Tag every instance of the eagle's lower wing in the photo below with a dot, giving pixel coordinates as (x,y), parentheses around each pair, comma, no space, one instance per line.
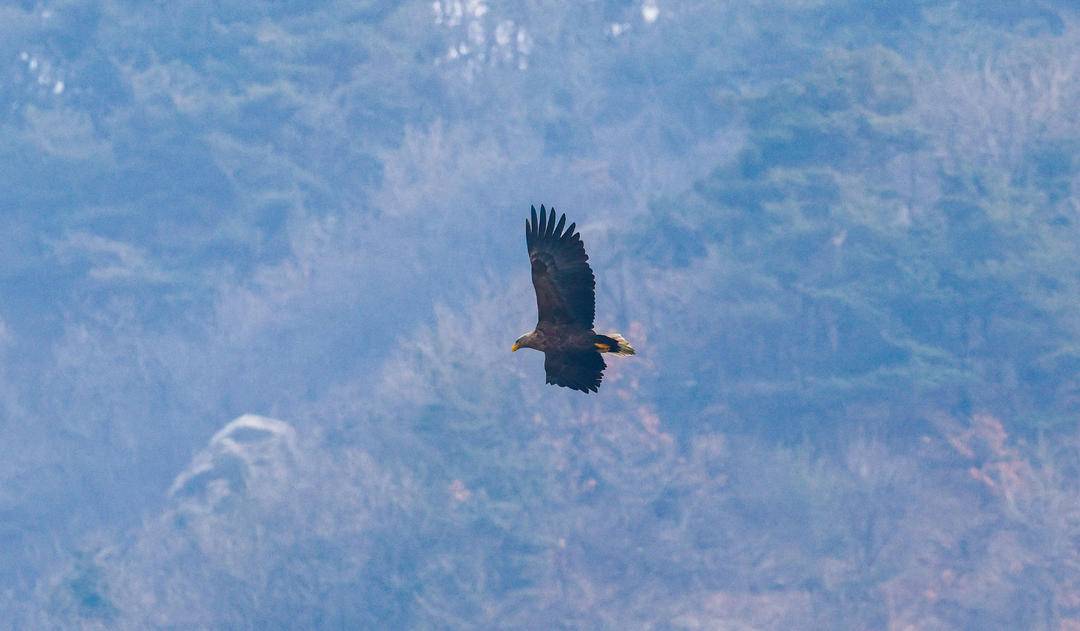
(580,370)
(564,282)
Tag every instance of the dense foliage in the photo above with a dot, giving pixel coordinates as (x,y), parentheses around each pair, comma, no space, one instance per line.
(842,235)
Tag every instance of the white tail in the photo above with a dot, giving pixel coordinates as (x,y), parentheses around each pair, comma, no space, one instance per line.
(624,346)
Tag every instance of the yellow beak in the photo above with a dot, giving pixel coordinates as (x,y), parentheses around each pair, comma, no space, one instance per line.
(515,347)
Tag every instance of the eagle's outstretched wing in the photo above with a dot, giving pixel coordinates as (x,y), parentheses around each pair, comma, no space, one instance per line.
(564,282)
(580,370)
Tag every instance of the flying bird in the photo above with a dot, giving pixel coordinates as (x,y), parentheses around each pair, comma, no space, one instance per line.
(566,305)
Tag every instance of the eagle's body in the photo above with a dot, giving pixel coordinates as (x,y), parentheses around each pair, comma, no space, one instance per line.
(566,304)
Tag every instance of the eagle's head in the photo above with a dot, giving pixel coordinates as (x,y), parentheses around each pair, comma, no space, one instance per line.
(525,341)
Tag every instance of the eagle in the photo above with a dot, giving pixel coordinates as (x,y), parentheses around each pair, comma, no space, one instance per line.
(566,305)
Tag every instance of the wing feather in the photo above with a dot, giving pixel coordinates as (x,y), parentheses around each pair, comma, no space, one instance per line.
(564,282)
(580,370)
(558,228)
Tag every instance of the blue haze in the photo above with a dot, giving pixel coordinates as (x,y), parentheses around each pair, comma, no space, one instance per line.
(261,264)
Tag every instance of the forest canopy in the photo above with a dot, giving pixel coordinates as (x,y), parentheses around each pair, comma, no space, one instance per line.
(241,382)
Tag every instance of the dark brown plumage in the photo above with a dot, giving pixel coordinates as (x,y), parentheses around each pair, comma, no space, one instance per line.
(566,306)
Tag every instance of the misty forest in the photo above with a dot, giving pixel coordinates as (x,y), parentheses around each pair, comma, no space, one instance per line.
(262,263)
